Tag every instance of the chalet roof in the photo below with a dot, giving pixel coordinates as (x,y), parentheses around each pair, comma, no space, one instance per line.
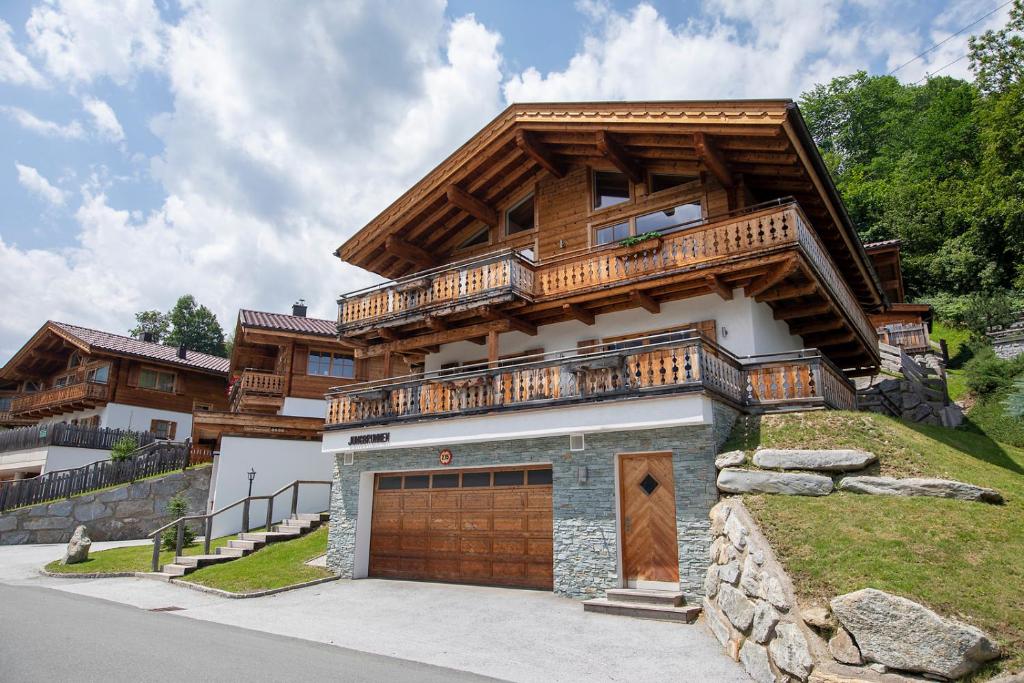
(288,323)
(115,343)
(766,142)
(884,244)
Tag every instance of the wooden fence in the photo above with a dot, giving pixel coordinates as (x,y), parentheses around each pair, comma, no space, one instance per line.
(62,434)
(155,458)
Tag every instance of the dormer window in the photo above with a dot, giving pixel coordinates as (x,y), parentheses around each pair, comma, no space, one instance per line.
(520,218)
(610,188)
(74,360)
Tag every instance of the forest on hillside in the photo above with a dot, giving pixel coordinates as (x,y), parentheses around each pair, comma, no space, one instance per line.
(938,164)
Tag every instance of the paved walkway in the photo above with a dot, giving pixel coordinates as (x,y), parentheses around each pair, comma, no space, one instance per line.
(505,633)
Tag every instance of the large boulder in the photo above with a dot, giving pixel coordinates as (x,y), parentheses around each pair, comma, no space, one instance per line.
(839,460)
(789,651)
(919,486)
(730,459)
(732,480)
(78,547)
(902,634)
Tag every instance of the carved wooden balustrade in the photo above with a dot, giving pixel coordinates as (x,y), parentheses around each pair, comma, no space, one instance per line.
(256,383)
(60,399)
(662,364)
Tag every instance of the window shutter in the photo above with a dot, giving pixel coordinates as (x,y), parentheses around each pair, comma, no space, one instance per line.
(179,382)
(299,361)
(152,426)
(172,428)
(133,374)
(587,342)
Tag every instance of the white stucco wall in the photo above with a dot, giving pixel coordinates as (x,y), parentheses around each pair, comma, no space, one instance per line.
(28,460)
(745,327)
(65,457)
(304,407)
(121,416)
(77,415)
(277,462)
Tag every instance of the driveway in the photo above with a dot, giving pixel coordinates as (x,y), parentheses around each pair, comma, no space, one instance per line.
(511,634)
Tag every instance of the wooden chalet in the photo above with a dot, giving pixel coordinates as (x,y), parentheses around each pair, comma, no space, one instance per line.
(901,324)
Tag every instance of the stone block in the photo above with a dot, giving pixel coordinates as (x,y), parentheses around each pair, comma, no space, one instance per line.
(8,522)
(35,523)
(789,651)
(87,512)
(114,495)
(784,483)
(765,619)
(920,486)
(15,537)
(134,508)
(754,659)
(736,606)
(832,460)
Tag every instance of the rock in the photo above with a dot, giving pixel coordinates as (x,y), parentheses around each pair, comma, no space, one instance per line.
(114,495)
(785,483)
(902,634)
(730,459)
(8,522)
(750,578)
(843,649)
(711,581)
(773,592)
(719,516)
(88,512)
(938,488)
(736,607)
(789,651)
(765,619)
(729,573)
(736,532)
(754,659)
(716,547)
(819,618)
(15,537)
(78,547)
(846,460)
(718,624)
(1008,678)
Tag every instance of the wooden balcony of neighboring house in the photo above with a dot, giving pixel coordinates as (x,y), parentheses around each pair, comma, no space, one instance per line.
(770,251)
(911,337)
(210,426)
(654,366)
(257,391)
(68,398)
(8,419)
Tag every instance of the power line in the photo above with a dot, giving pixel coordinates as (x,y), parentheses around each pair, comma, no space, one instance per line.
(941,68)
(947,39)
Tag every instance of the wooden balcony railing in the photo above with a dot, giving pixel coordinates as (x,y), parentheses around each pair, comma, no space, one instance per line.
(755,232)
(60,434)
(662,364)
(472,282)
(56,399)
(256,383)
(911,337)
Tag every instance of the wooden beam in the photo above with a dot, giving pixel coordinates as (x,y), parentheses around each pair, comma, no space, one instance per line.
(713,159)
(492,349)
(811,328)
(791,312)
(434,339)
(773,278)
(471,205)
(643,300)
(540,154)
(833,340)
(479,341)
(436,324)
(612,151)
(790,292)
(514,323)
(578,312)
(388,334)
(719,287)
(418,256)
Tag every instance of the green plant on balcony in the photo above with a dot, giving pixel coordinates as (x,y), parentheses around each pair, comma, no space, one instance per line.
(639,239)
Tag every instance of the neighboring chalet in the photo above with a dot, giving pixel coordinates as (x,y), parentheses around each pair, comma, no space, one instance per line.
(70,392)
(281,367)
(900,324)
(597,292)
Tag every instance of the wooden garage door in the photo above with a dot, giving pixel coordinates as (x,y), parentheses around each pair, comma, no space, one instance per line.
(472,526)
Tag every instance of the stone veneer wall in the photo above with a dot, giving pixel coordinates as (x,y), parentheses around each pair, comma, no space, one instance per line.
(126,512)
(584,515)
(749,602)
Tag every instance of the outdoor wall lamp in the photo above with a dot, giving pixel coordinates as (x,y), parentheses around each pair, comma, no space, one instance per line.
(252,475)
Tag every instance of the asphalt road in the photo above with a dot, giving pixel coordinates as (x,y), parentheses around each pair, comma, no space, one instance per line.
(50,635)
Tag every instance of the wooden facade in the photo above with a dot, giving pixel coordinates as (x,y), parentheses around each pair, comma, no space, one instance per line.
(899,324)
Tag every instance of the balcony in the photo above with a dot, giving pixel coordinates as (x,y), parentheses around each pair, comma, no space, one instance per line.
(59,400)
(911,337)
(656,365)
(770,250)
(60,434)
(257,391)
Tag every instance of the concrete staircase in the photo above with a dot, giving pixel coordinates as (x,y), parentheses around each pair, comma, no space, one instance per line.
(248,543)
(644,604)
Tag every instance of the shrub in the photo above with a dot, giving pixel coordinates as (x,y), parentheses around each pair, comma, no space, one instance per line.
(177,507)
(987,373)
(978,311)
(123,448)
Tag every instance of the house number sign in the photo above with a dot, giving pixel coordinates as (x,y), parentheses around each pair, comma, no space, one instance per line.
(445,458)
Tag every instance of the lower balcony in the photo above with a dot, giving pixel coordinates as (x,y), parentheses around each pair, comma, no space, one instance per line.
(654,366)
(910,337)
(257,391)
(59,400)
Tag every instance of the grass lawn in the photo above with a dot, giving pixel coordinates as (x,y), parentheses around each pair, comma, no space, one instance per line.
(135,558)
(989,415)
(961,559)
(959,353)
(275,566)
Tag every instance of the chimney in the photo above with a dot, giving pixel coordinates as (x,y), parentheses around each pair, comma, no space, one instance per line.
(182,352)
(148,337)
(299,308)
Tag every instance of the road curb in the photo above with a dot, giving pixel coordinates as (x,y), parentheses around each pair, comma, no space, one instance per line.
(93,575)
(255,594)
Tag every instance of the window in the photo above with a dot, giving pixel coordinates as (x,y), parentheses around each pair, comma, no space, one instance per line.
(92,422)
(100,374)
(32,386)
(611,233)
(74,360)
(417,481)
(389,483)
(508,478)
(5,404)
(476,239)
(327,364)
(520,217)
(610,188)
(163,429)
(667,218)
(538,477)
(201,407)
(476,479)
(445,481)
(156,380)
(62,381)
(665,181)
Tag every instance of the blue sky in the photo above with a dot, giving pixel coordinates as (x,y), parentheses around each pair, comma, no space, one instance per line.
(226,148)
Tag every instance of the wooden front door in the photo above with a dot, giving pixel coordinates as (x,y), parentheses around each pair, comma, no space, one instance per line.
(473,526)
(650,549)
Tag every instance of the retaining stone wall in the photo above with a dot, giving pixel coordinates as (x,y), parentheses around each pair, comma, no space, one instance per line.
(584,514)
(127,512)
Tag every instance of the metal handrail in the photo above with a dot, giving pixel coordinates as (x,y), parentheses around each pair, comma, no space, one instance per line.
(246,502)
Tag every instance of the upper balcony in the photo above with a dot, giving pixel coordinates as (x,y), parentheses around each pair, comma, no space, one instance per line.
(65,399)
(770,251)
(257,391)
(652,366)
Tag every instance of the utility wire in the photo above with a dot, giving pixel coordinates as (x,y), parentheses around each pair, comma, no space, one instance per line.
(946,40)
(941,68)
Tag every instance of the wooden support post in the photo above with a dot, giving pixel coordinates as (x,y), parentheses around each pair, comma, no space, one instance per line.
(773,278)
(708,152)
(492,349)
(578,312)
(645,301)
(611,150)
(719,287)
(409,252)
(156,552)
(471,205)
(180,540)
(295,499)
(540,154)
(207,532)
(270,513)
(245,515)
(387,363)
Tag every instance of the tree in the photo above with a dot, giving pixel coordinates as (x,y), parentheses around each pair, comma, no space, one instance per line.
(155,323)
(997,57)
(196,327)
(177,507)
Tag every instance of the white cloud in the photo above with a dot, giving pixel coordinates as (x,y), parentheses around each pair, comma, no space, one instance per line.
(81,40)
(32,181)
(14,66)
(104,119)
(31,122)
